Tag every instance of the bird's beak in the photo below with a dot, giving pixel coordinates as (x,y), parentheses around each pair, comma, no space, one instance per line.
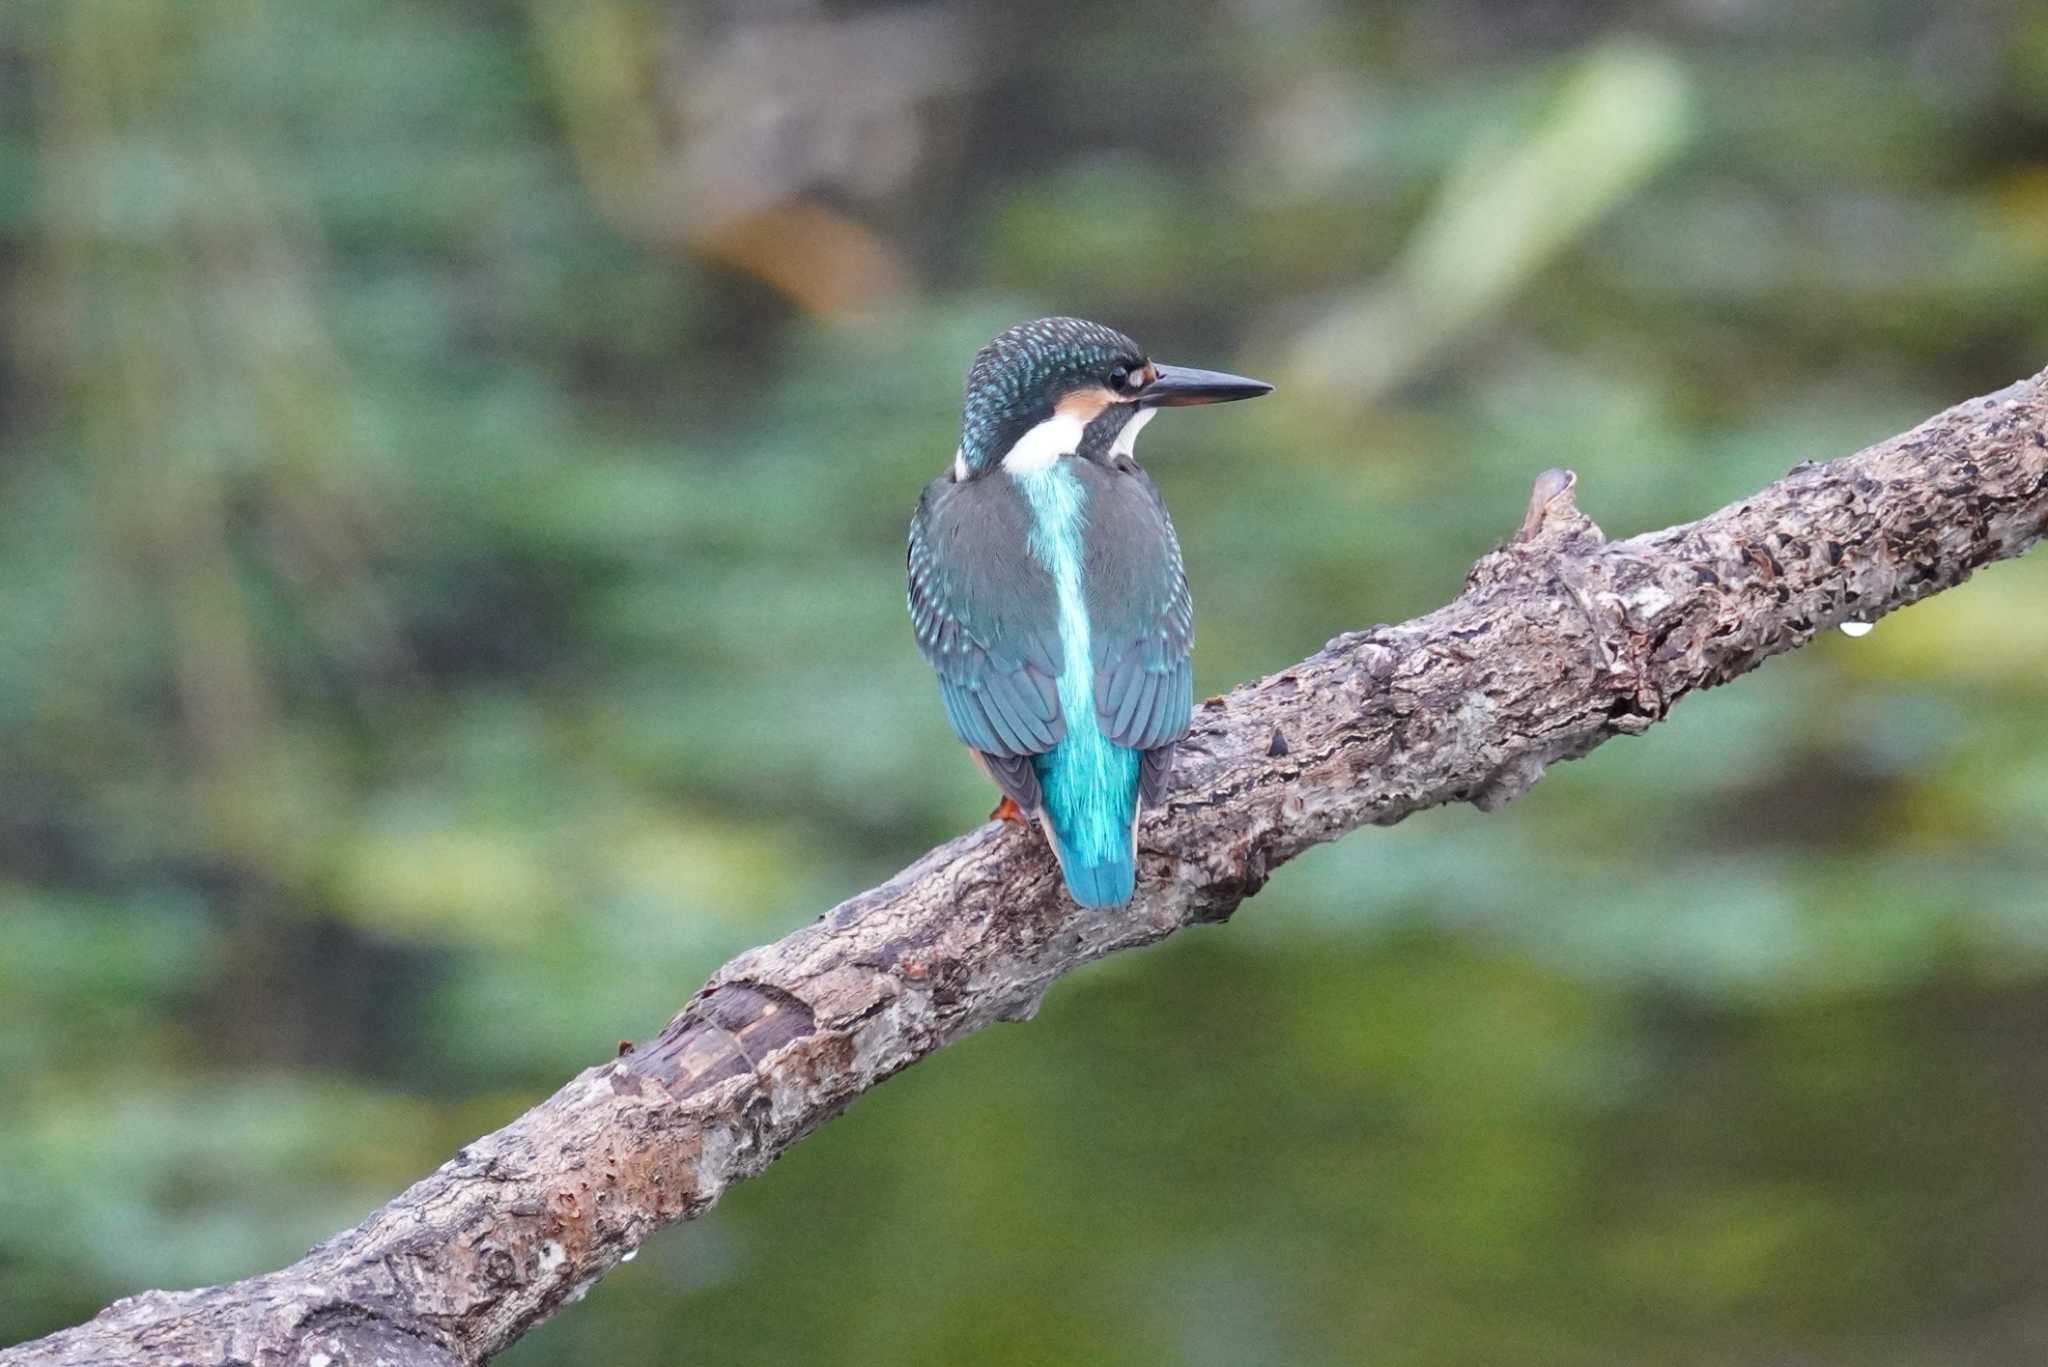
(1178,385)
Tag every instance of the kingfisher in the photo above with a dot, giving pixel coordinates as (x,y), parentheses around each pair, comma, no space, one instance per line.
(1046,589)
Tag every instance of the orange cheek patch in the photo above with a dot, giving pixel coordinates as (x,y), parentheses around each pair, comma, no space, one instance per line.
(1085,405)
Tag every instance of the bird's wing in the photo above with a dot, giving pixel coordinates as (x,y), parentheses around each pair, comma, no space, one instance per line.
(1141,619)
(987,619)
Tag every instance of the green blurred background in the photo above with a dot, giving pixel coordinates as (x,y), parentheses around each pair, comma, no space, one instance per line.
(454,462)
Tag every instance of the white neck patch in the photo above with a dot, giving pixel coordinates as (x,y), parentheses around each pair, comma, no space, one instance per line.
(1059,435)
(1126,443)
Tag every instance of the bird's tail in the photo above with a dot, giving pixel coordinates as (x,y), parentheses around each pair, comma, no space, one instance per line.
(1098,882)
(1093,829)
(1089,809)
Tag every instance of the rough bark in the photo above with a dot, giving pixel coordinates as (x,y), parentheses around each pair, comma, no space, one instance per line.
(1559,641)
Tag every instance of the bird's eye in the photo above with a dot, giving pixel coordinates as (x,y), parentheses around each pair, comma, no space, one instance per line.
(1118,376)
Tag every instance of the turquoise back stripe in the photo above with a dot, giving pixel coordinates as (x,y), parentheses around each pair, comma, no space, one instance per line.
(1090,782)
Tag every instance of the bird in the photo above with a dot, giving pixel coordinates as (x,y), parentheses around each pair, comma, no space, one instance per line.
(1047,591)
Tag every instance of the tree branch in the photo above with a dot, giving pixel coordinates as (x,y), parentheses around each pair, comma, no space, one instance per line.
(1559,641)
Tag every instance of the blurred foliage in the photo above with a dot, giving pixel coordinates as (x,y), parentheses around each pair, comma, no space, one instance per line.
(453,469)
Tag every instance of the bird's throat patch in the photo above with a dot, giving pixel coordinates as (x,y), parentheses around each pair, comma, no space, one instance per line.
(1058,435)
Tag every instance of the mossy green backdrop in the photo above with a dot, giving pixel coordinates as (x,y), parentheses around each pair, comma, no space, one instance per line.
(454,463)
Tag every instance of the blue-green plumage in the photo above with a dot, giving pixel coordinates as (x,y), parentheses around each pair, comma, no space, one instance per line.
(1089,782)
(1047,592)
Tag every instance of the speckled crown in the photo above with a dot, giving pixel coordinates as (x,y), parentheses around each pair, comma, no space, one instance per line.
(1015,379)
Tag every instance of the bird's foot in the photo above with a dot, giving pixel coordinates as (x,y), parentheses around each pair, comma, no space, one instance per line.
(1009,811)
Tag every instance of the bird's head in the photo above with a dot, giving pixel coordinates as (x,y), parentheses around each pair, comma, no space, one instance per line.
(1064,387)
